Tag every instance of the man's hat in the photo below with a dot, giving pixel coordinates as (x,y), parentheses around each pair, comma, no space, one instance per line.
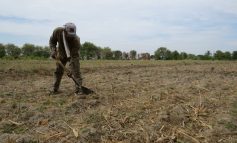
(70,28)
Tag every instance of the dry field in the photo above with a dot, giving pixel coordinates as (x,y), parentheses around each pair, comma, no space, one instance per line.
(135,102)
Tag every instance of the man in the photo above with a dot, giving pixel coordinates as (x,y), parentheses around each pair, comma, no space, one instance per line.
(65,45)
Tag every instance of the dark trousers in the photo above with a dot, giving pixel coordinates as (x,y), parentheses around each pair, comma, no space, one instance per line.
(74,65)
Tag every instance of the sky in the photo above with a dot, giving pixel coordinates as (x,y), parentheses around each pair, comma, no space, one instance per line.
(192,26)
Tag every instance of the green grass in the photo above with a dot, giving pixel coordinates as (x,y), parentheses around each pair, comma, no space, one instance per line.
(26,66)
(10,128)
(231,126)
(34,66)
(234,109)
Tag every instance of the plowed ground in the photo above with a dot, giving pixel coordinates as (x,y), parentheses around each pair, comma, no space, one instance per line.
(134,101)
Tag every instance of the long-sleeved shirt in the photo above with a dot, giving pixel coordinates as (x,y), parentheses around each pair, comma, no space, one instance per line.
(56,40)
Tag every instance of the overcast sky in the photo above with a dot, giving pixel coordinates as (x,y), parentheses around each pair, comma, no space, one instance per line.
(193,26)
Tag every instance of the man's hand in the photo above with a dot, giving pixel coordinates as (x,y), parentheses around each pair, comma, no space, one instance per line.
(53,54)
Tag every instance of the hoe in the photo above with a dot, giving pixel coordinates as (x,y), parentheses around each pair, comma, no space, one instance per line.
(85,90)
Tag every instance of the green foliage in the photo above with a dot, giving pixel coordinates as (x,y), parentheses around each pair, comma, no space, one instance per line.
(13,51)
(163,53)
(183,55)
(206,56)
(41,52)
(28,49)
(175,55)
(133,54)
(125,56)
(227,56)
(219,55)
(32,51)
(12,128)
(234,55)
(192,57)
(231,126)
(94,117)
(89,51)
(144,56)
(2,51)
(106,53)
(117,55)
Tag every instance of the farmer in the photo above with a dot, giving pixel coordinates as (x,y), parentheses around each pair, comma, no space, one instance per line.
(65,45)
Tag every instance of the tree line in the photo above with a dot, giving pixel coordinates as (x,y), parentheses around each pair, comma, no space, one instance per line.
(90,51)
(11,51)
(163,53)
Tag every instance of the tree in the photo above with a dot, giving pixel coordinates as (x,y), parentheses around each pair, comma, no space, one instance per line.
(175,55)
(162,53)
(106,53)
(13,50)
(125,56)
(227,56)
(46,52)
(98,53)
(183,55)
(234,55)
(2,50)
(117,55)
(219,55)
(133,54)
(192,57)
(152,57)
(41,52)
(89,51)
(207,56)
(201,57)
(145,56)
(28,49)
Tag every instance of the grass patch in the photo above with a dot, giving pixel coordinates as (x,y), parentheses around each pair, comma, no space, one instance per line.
(11,128)
(94,118)
(36,66)
(61,102)
(47,102)
(231,126)
(234,108)
(42,108)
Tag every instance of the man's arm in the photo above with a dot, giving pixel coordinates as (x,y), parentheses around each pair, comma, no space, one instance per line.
(53,43)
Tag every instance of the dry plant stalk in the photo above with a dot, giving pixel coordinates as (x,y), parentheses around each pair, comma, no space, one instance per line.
(15,123)
(74,130)
(194,140)
(55,135)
